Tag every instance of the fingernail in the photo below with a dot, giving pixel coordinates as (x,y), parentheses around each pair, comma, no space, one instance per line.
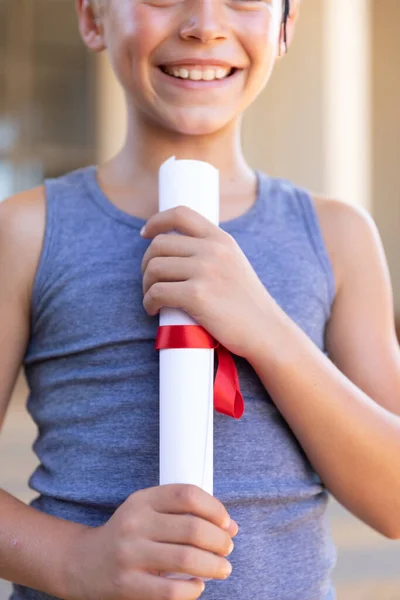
(143,230)
(203,586)
(235,524)
(228,570)
(231,547)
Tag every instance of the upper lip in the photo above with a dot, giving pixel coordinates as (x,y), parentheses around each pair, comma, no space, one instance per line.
(199,61)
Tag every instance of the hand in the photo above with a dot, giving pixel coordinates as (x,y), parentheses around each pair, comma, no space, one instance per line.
(173,528)
(205,273)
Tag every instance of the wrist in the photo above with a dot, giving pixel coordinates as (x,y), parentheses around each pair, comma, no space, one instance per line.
(72,580)
(269,328)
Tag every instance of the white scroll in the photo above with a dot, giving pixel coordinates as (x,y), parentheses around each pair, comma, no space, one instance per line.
(186,375)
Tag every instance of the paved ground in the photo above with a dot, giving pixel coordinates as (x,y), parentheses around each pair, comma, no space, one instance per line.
(368,565)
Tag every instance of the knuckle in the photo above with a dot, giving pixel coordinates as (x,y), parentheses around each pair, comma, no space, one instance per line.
(157,243)
(135,498)
(126,531)
(219,249)
(197,290)
(120,585)
(123,556)
(187,496)
(169,590)
(154,266)
(182,212)
(184,558)
(195,532)
(156,290)
(131,526)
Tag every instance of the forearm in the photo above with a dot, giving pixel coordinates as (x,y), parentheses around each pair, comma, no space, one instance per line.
(36,550)
(352,442)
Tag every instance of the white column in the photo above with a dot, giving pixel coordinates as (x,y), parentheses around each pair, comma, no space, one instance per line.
(347,100)
(111,111)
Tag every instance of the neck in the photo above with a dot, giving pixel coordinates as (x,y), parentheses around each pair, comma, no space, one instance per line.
(147,146)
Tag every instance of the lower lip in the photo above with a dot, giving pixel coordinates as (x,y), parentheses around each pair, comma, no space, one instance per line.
(190,84)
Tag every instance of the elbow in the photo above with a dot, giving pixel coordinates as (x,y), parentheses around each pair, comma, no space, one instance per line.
(393,535)
(391,531)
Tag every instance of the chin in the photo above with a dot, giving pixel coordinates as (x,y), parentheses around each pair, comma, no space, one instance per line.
(206,124)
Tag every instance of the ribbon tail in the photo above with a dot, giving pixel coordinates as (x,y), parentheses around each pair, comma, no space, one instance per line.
(228,399)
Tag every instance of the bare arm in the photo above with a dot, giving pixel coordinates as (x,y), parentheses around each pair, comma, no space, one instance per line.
(345,413)
(36,550)
(172,528)
(33,546)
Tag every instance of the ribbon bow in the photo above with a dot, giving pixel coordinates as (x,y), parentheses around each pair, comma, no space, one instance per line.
(228,399)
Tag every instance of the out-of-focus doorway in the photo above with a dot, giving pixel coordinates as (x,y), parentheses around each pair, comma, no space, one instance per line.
(47,121)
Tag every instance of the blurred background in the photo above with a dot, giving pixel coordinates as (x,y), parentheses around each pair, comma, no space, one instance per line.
(329,120)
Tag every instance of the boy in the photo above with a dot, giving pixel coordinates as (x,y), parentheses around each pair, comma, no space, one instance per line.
(284,278)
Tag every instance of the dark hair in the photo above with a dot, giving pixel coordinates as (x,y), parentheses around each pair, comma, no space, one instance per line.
(286,11)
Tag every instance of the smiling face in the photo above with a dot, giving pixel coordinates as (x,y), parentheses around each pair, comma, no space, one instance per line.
(143,38)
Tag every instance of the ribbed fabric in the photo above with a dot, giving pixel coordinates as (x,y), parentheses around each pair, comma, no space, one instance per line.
(93,375)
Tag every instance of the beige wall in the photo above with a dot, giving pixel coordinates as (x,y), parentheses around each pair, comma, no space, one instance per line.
(312,123)
(283,130)
(287,129)
(386,132)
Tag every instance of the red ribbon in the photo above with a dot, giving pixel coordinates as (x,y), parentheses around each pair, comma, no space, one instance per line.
(228,399)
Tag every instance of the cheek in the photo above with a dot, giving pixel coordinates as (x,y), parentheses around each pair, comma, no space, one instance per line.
(268,33)
(260,40)
(153,26)
(135,33)
(123,39)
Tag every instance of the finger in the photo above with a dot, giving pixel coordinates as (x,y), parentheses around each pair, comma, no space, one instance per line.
(167,268)
(180,498)
(233,529)
(175,294)
(166,244)
(182,219)
(152,587)
(179,558)
(190,530)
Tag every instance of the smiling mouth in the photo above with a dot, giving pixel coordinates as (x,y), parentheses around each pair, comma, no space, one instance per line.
(229,74)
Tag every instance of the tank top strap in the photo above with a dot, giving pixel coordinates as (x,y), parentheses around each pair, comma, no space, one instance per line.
(314,229)
(63,196)
(290,202)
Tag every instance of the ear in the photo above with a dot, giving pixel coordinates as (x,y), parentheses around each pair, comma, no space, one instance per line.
(90,25)
(290,28)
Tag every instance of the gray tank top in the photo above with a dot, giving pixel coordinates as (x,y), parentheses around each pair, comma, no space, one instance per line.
(92,369)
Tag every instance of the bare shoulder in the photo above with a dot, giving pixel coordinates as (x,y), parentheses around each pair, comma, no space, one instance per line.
(348,231)
(22,228)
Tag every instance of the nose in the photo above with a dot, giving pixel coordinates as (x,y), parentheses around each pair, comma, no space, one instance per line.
(205,21)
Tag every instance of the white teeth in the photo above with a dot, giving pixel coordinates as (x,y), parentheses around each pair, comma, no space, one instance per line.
(209,74)
(195,74)
(221,73)
(206,74)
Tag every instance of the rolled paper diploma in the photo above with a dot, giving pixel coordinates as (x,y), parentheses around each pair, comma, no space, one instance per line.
(186,374)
